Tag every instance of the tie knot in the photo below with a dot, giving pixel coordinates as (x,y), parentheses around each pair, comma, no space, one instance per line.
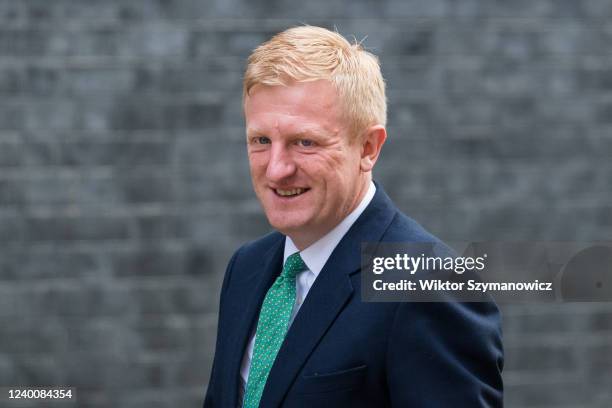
(293,265)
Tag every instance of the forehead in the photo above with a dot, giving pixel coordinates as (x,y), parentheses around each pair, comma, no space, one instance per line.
(298,107)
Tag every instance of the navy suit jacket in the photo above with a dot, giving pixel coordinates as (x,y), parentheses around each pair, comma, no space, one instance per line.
(342,352)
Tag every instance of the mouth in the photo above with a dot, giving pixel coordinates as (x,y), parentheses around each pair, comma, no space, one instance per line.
(292,192)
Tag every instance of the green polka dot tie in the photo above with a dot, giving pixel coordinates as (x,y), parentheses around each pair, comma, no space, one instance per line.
(272,327)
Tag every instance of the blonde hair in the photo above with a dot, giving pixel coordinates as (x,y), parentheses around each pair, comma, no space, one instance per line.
(309,53)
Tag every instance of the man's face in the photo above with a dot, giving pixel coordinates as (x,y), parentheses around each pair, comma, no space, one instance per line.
(304,170)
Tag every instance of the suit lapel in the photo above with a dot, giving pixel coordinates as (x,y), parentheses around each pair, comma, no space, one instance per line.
(253,291)
(329,294)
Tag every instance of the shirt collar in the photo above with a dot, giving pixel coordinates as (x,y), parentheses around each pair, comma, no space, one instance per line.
(317,254)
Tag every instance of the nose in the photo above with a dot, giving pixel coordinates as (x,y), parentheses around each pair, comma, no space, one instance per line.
(281,164)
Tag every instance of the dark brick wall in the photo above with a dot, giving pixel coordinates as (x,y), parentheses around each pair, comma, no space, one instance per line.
(124,186)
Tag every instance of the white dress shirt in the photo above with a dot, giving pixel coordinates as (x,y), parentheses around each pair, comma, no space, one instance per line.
(315,257)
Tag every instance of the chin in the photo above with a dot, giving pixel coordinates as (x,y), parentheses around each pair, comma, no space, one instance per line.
(286,226)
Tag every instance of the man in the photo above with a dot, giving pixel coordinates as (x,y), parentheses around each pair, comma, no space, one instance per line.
(293,330)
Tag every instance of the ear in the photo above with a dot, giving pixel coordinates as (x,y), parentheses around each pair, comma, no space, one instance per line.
(371,144)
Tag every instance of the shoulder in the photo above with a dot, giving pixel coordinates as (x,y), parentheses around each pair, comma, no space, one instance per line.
(249,257)
(258,247)
(253,252)
(405,229)
(408,229)
(399,227)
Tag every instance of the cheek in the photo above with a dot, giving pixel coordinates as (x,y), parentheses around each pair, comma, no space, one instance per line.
(344,168)
(257,164)
(327,164)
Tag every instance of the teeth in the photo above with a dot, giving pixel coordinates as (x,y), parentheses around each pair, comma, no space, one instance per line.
(292,192)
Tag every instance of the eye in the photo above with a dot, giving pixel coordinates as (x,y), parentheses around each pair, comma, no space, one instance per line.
(261,140)
(305,142)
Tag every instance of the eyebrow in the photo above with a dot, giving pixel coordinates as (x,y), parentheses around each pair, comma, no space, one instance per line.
(309,132)
(304,132)
(251,131)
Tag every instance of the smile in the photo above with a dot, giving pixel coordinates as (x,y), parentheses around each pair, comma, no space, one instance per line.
(291,192)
